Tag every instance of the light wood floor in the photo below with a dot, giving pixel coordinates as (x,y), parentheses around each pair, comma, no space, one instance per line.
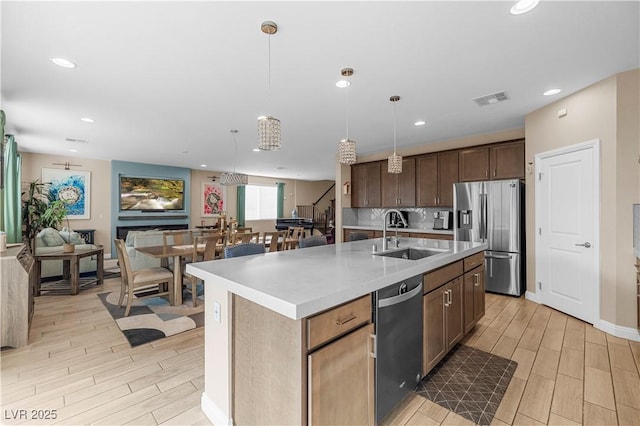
(79,364)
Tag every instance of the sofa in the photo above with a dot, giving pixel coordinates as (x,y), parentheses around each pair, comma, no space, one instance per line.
(50,240)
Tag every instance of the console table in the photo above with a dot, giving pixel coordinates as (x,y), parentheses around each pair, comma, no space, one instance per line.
(16,294)
(71,268)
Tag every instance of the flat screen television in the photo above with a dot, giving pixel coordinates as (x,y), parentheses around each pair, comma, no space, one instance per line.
(151,194)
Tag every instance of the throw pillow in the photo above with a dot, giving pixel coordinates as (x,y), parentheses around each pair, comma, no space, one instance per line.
(51,237)
(71,237)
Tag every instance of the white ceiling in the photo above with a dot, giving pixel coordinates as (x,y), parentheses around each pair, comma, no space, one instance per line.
(166,81)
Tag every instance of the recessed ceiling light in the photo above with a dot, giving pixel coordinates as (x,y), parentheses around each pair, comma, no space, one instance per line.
(552,92)
(87,120)
(343,83)
(420,123)
(203,165)
(524,6)
(62,62)
(256,149)
(73,150)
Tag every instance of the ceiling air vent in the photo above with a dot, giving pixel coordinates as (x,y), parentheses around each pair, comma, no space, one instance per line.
(76,140)
(493,98)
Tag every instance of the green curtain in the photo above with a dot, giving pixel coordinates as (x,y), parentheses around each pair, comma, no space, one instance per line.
(240,206)
(11,222)
(280,186)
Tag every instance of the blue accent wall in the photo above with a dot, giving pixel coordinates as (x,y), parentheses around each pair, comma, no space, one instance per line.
(137,218)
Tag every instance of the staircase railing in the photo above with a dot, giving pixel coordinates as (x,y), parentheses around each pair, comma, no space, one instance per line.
(321,219)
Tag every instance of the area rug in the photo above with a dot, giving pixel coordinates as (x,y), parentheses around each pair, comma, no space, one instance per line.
(154,318)
(469,382)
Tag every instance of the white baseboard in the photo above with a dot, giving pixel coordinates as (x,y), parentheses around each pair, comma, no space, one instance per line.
(213,412)
(628,333)
(529,295)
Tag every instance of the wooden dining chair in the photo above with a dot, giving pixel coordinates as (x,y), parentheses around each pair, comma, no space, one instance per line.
(180,237)
(205,247)
(143,279)
(294,233)
(248,237)
(274,240)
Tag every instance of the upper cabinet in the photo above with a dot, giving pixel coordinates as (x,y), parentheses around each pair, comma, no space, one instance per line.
(399,190)
(499,161)
(507,160)
(365,185)
(435,176)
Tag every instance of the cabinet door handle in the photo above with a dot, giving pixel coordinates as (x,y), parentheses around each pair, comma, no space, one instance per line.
(494,173)
(435,200)
(476,279)
(374,346)
(486,172)
(343,321)
(444,298)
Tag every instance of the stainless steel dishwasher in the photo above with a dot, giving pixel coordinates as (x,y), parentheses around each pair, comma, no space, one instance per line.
(397,313)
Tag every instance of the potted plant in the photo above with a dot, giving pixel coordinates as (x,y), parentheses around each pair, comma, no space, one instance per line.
(39,211)
(54,214)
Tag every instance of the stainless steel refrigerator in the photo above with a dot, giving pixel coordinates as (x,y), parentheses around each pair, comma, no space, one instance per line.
(493,212)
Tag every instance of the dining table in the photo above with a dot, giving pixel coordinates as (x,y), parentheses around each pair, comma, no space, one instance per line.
(177,252)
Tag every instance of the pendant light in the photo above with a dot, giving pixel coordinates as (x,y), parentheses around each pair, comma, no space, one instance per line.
(233,178)
(346,147)
(395,160)
(269,127)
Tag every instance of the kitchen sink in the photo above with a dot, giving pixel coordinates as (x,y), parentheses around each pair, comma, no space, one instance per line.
(412,253)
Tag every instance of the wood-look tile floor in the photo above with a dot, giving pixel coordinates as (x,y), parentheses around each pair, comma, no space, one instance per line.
(79,364)
(568,372)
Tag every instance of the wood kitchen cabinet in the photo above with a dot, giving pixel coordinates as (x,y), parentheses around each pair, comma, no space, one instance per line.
(365,185)
(497,161)
(435,176)
(442,313)
(17,295)
(473,297)
(341,381)
(442,322)
(507,160)
(399,190)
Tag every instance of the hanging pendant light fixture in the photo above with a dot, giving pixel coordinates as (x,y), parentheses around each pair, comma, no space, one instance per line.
(346,147)
(233,178)
(269,127)
(395,160)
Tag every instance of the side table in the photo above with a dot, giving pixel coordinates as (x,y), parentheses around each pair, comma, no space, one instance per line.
(71,268)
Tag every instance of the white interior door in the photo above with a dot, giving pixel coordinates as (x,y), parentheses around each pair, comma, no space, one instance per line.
(567,246)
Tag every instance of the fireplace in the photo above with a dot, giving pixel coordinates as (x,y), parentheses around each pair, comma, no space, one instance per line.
(122,231)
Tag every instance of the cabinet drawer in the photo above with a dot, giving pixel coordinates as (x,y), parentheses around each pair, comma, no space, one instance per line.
(435,279)
(337,321)
(474,261)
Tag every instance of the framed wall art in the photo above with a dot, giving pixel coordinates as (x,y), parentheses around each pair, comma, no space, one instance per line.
(71,186)
(212,196)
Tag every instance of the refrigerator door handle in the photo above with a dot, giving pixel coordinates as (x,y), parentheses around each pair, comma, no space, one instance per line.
(493,256)
(483,216)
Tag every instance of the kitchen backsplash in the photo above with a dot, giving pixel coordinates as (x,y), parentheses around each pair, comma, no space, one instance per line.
(419,217)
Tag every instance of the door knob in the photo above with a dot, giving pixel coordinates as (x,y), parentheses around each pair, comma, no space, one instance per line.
(587,244)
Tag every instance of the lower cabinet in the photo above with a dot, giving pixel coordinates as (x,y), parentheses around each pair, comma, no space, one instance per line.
(341,381)
(443,322)
(473,297)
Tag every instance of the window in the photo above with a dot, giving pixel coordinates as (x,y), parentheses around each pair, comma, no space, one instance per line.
(261,202)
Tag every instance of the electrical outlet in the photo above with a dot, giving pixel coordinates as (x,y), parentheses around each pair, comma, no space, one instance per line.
(216,311)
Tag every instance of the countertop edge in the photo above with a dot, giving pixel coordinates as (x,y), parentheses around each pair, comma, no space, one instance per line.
(328,301)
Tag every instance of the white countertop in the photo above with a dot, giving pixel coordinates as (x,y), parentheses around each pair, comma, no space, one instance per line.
(391,231)
(300,283)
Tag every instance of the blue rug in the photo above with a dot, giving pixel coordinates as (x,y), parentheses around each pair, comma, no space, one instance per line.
(154,318)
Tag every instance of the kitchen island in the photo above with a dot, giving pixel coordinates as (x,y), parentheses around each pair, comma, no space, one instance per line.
(262,313)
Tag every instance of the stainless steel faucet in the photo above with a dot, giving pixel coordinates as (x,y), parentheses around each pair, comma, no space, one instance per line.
(384,227)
